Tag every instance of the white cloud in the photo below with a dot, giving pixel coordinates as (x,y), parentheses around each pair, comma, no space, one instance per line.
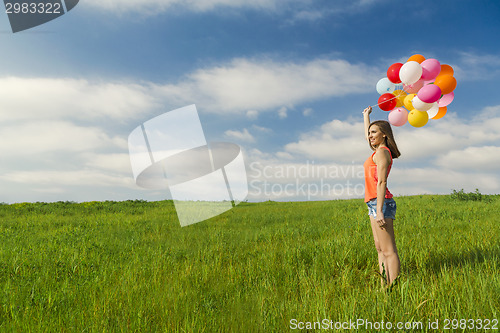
(252,114)
(50,190)
(34,138)
(472,59)
(240,135)
(284,155)
(451,133)
(61,98)
(336,141)
(67,178)
(261,85)
(303,8)
(58,134)
(262,129)
(334,8)
(432,179)
(282,112)
(113,162)
(309,15)
(307,112)
(488,113)
(158,6)
(247,86)
(476,67)
(472,158)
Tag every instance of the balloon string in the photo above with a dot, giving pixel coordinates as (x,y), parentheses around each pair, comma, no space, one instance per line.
(372,106)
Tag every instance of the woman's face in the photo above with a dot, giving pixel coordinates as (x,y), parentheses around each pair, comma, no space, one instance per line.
(375,136)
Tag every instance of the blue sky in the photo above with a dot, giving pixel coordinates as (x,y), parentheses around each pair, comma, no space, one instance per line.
(284,79)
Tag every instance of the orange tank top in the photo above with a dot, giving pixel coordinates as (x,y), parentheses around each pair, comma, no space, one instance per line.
(371,178)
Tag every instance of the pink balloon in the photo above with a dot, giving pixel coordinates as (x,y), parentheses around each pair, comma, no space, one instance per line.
(413,88)
(430,69)
(446,99)
(398,117)
(429,93)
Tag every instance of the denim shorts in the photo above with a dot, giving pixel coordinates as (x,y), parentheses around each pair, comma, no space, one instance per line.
(389,208)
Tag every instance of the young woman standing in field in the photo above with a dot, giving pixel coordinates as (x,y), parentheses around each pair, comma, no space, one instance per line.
(381,205)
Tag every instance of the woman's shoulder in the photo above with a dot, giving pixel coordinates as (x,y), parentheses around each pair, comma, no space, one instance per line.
(383,149)
(382,153)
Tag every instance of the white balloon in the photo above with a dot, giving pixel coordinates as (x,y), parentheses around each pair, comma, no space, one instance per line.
(385,86)
(419,105)
(433,111)
(410,72)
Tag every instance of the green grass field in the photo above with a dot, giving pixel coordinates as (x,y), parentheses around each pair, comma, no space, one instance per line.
(129,266)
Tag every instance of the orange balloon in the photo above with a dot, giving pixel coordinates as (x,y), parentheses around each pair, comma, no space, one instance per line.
(416,57)
(441,113)
(446,70)
(447,83)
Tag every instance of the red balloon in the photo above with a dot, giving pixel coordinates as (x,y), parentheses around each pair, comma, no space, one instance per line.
(393,72)
(387,102)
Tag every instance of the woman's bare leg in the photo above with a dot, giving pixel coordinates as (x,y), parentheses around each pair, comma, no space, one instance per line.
(381,264)
(387,246)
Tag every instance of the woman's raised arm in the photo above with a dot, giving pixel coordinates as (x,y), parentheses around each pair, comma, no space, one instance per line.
(366,116)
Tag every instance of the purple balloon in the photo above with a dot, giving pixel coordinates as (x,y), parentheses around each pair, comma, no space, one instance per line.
(430,69)
(429,93)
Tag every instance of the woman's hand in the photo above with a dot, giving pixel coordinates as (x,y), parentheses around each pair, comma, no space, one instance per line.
(380,220)
(367,111)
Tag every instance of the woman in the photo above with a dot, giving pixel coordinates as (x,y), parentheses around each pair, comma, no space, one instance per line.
(381,205)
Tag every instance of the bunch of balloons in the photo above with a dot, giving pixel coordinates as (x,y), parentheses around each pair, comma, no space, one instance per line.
(424,87)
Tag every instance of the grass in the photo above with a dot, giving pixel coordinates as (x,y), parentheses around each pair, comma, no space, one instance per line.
(129,266)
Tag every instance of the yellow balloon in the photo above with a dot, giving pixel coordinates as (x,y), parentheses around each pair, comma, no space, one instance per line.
(418,118)
(400,97)
(407,101)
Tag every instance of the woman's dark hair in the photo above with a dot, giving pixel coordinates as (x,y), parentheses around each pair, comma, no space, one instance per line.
(386,129)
